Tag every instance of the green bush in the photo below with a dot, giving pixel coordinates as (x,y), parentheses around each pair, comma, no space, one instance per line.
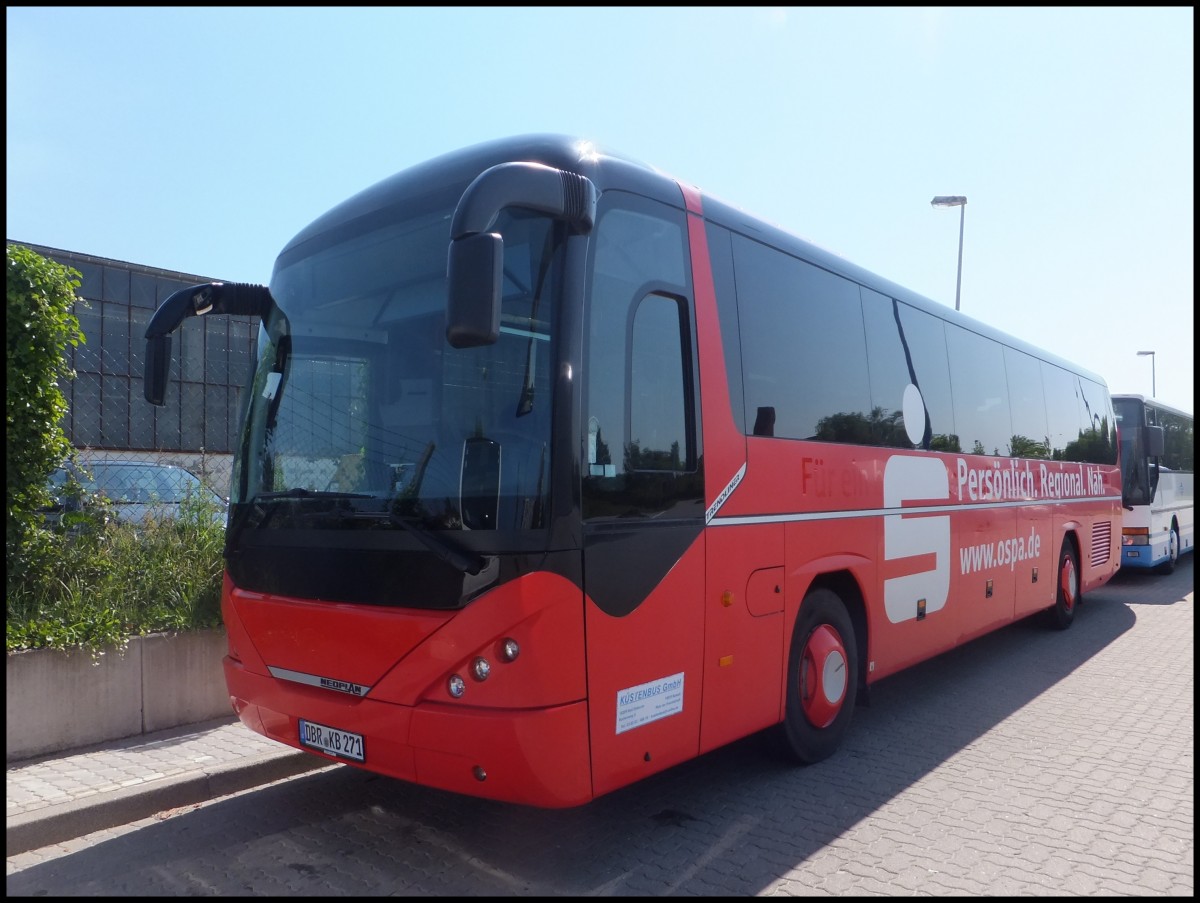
(40,328)
(96,581)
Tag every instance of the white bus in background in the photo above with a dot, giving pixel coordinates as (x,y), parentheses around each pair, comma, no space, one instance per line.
(1157,482)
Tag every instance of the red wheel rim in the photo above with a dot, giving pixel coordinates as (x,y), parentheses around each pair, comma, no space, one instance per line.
(823,677)
(1067,582)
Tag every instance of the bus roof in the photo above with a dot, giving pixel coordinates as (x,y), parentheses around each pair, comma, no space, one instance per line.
(610,170)
(1150,402)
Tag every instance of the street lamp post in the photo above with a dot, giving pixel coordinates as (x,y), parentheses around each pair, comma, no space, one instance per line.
(1153,386)
(955,200)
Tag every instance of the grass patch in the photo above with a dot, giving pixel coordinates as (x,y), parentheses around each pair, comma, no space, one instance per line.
(93,581)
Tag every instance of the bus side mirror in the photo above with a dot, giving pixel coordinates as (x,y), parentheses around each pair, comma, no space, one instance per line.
(158,365)
(476,260)
(474,272)
(1155,442)
(194,301)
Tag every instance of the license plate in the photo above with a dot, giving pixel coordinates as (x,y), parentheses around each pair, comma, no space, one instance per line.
(342,744)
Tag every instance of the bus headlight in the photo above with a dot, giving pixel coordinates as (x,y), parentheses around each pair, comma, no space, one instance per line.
(480,669)
(457,686)
(1135,536)
(509,650)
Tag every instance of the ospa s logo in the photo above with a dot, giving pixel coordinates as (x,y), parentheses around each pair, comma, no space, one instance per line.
(907,478)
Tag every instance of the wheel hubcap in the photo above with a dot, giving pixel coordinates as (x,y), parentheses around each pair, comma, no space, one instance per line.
(1068,582)
(823,676)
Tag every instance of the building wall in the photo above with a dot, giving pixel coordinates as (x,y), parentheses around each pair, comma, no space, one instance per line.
(108,415)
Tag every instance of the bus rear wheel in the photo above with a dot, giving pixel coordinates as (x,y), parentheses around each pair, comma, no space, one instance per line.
(1067,597)
(822,680)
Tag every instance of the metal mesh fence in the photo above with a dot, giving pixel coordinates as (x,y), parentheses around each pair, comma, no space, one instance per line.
(107,410)
(210,361)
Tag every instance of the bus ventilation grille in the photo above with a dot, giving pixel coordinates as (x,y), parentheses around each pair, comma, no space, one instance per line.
(1101,542)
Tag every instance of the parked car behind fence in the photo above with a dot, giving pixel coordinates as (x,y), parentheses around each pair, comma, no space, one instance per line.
(135,490)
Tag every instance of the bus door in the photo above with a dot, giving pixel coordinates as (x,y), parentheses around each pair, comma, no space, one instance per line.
(642,496)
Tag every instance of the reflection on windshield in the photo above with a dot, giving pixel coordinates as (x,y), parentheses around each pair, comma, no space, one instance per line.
(357,391)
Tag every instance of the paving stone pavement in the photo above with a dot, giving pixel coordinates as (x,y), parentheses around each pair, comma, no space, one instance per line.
(64,796)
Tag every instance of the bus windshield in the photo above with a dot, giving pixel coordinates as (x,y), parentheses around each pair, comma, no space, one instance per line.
(357,395)
(1136,474)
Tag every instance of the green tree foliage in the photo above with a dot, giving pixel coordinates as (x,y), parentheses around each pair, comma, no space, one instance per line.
(1094,446)
(1024,447)
(41,325)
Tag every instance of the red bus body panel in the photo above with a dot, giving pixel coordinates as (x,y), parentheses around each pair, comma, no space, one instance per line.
(524,728)
(595,702)
(662,638)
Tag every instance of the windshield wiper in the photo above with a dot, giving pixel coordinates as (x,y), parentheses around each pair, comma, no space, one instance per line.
(299,492)
(461,559)
(464,560)
(255,511)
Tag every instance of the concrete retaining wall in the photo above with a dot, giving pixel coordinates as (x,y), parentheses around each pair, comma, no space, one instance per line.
(58,701)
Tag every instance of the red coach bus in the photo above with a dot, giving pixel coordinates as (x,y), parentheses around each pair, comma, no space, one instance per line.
(555,472)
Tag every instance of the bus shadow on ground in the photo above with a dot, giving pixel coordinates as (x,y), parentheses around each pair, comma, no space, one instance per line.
(730,822)
(1151,587)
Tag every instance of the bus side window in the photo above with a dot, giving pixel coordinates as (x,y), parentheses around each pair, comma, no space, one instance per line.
(642,440)
(804,350)
(657,396)
(982,414)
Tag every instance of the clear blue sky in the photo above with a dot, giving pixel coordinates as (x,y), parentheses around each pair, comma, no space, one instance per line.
(202,139)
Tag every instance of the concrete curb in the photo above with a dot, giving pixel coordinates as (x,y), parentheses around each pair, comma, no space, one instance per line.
(71,820)
(67,699)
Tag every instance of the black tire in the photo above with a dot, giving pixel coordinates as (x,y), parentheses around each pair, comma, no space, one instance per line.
(822,678)
(1168,566)
(1067,596)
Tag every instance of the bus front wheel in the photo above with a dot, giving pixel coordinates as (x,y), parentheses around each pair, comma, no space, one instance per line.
(1067,598)
(822,679)
(1168,566)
